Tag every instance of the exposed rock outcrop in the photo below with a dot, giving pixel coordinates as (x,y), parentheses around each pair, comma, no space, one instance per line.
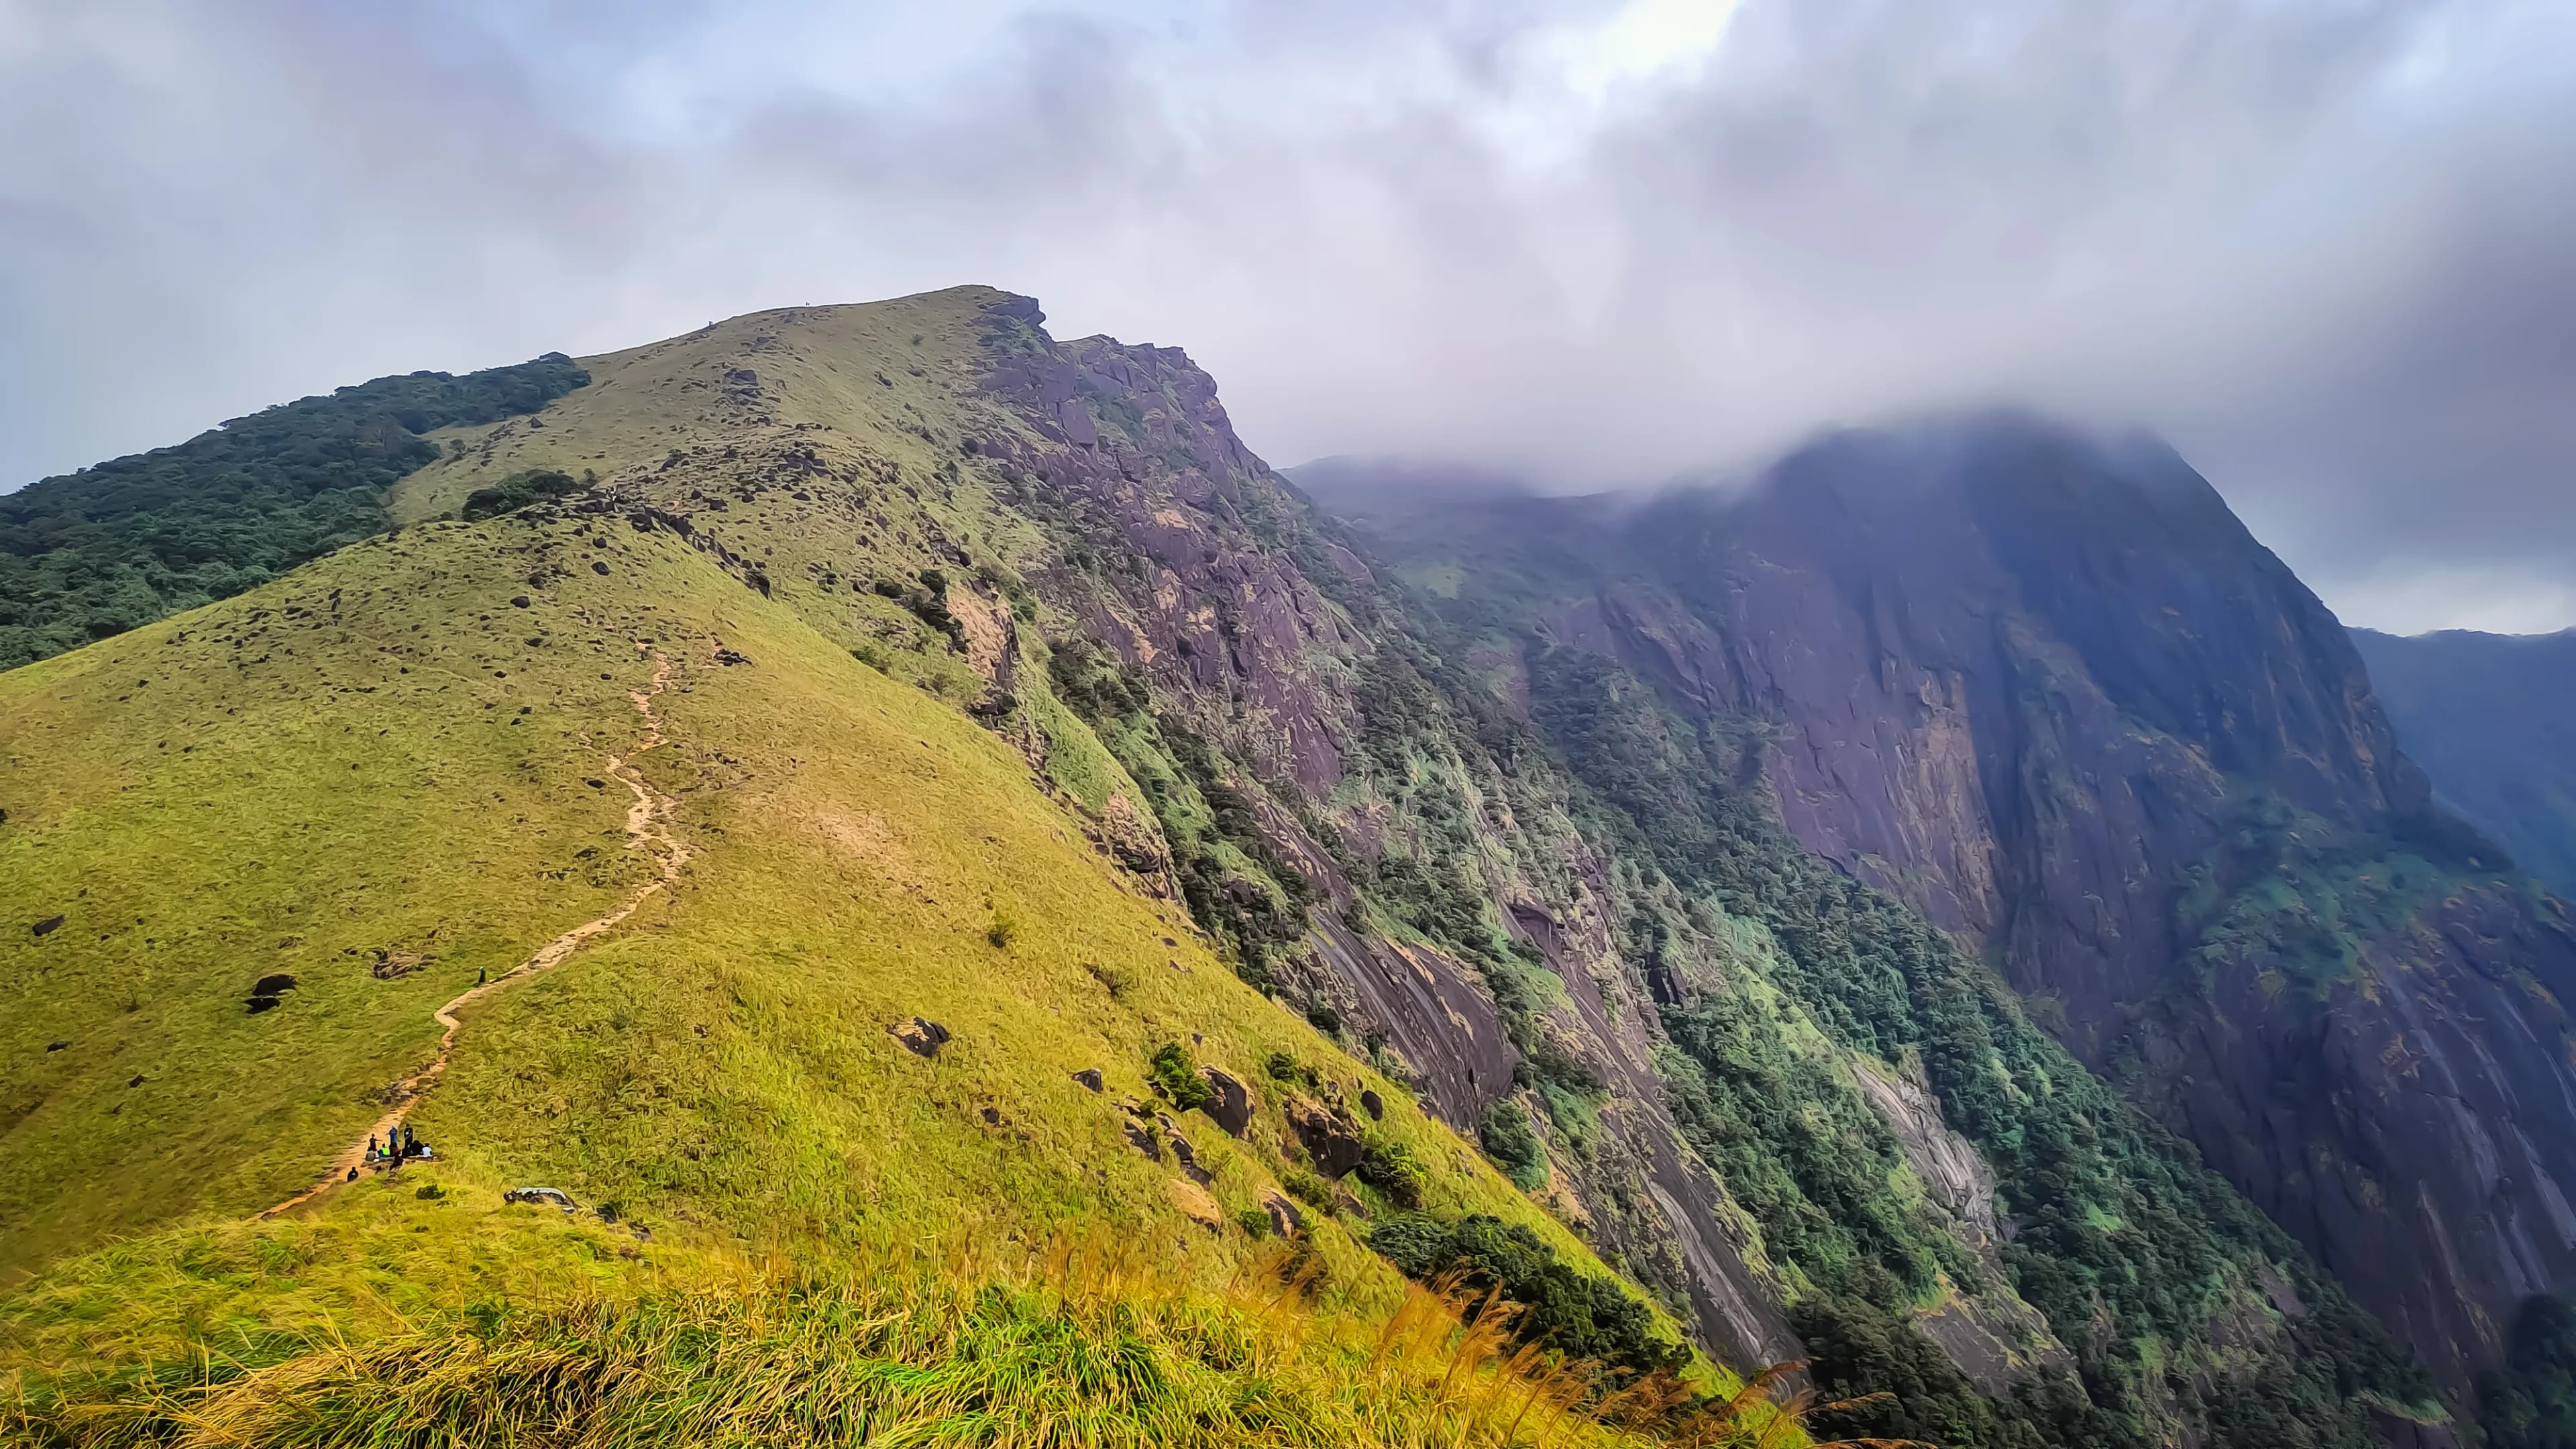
(2048,691)
(1231,1107)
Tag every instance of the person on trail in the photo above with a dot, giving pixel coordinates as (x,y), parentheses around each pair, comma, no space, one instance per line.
(372,1154)
(482,974)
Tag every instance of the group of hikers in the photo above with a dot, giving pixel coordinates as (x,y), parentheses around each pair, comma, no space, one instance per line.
(399,1146)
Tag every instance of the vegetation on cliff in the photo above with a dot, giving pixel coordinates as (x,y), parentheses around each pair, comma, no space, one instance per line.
(2128,1248)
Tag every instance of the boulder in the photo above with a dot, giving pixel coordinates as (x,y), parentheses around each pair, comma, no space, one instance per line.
(49,925)
(1232,1107)
(1089,1077)
(1196,1204)
(554,1196)
(921,1038)
(1285,1219)
(1186,1155)
(1142,1141)
(1328,1134)
(1374,1105)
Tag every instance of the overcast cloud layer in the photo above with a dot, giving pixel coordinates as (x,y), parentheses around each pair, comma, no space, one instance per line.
(2329,248)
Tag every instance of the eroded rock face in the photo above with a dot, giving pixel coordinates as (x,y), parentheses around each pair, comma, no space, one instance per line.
(1957,1174)
(2038,687)
(1242,620)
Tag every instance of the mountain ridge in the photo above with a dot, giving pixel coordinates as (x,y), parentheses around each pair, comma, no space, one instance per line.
(1785,1106)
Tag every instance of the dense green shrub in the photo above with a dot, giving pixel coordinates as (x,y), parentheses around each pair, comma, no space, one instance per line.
(1390,1167)
(517,491)
(1506,1137)
(1574,1313)
(2532,1404)
(1176,1079)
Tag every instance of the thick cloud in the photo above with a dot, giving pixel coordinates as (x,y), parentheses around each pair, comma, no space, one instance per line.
(2325,246)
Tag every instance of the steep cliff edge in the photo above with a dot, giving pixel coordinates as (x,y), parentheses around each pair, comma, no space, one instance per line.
(1422,870)
(2046,689)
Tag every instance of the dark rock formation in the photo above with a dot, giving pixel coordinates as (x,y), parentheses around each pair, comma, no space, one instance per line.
(1328,1134)
(1184,1154)
(1231,1108)
(1285,1219)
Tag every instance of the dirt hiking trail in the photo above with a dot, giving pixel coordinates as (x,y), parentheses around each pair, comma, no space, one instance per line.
(648,828)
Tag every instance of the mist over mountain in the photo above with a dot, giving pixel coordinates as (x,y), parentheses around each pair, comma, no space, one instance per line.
(2493,719)
(1799,829)
(2318,245)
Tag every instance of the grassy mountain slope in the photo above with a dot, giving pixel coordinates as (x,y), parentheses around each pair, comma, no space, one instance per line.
(389,774)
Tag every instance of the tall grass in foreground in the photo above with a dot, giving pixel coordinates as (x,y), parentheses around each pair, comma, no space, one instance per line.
(1075,1348)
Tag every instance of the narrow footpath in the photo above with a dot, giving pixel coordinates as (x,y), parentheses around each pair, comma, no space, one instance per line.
(648,828)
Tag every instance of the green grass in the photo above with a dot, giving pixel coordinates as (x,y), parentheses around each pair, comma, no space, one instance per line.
(723,1058)
(287,782)
(1066,1340)
(377,775)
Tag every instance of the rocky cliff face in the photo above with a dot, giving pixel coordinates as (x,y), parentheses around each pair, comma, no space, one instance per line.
(2048,691)
(1390,841)
(1251,625)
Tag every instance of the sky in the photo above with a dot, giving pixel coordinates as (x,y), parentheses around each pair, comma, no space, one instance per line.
(2327,248)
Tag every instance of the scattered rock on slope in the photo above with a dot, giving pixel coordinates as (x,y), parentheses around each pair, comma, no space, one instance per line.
(920,1037)
(1328,1135)
(1196,1204)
